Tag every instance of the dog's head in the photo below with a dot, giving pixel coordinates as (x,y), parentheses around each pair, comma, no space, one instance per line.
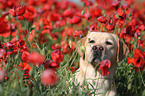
(100,46)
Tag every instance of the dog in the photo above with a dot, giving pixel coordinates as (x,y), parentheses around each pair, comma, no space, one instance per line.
(100,46)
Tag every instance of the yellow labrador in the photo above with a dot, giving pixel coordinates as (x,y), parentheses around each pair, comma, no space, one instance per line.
(100,46)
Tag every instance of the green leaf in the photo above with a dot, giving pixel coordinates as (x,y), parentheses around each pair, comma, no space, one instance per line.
(17,37)
(129,15)
(83,12)
(70,43)
(117,16)
(82,48)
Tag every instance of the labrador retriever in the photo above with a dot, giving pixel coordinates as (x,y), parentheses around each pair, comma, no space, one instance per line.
(100,46)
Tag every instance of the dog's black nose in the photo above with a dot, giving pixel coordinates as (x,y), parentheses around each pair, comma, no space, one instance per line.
(98,48)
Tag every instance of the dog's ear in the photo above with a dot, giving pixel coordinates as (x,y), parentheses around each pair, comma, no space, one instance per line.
(81,47)
(122,49)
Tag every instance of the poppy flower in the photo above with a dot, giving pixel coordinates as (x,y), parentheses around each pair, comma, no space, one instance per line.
(138,60)
(42,36)
(63,4)
(25,56)
(75,20)
(141,43)
(29,14)
(87,2)
(5,29)
(104,3)
(49,77)
(33,3)
(57,56)
(65,46)
(70,31)
(102,19)
(94,27)
(17,11)
(116,4)
(36,58)
(59,23)
(55,17)
(127,33)
(78,33)
(26,67)
(47,24)
(50,64)
(120,13)
(68,13)
(55,46)
(22,44)
(95,12)
(73,69)
(2,74)
(105,64)
(3,16)
(54,35)
(2,53)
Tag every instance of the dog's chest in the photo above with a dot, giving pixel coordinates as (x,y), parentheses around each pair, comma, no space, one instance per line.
(100,83)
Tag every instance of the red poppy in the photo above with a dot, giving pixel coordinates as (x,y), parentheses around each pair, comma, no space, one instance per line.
(138,60)
(141,43)
(105,64)
(63,4)
(95,12)
(22,44)
(17,11)
(59,23)
(102,19)
(75,20)
(105,3)
(127,33)
(33,3)
(67,32)
(25,56)
(49,77)
(36,58)
(68,13)
(42,36)
(120,13)
(57,56)
(94,27)
(65,46)
(78,33)
(50,64)
(73,69)
(47,24)
(29,14)
(87,2)
(55,46)
(2,53)
(5,29)
(27,68)
(55,16)
(54,35)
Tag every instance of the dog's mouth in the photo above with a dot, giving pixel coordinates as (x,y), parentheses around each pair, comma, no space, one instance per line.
(96,63)
(96,58)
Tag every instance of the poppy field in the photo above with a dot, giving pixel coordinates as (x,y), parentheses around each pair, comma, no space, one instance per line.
(38,44)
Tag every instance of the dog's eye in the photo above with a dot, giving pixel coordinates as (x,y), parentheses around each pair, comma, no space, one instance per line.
(91,41)
(108,43)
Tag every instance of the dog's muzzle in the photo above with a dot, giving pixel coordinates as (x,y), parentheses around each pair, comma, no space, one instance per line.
(97,53)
